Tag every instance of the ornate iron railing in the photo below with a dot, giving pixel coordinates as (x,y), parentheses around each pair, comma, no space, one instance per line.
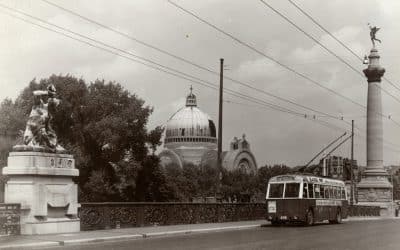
(134,214)
(357,210)
(10,219)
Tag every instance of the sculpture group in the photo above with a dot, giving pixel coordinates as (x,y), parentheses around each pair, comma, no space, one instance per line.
(39,134)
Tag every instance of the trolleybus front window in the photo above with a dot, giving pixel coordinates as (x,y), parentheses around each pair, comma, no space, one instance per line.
(292,190)
(276,190)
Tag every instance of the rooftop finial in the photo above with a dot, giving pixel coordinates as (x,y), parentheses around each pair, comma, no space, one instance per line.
(191,99)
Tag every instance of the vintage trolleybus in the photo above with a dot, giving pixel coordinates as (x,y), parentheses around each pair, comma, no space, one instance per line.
(307,199)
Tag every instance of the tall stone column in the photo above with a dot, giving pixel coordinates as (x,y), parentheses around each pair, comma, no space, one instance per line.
(375,188)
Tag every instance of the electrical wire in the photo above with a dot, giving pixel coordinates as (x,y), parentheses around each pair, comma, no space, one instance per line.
(183,59)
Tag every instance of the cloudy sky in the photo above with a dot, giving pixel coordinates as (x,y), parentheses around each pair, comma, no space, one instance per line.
(28,52)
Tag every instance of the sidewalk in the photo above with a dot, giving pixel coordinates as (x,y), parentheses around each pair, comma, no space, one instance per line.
(39,241)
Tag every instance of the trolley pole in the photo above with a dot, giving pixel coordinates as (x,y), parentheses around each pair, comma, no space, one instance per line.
(221,90)
(351,165)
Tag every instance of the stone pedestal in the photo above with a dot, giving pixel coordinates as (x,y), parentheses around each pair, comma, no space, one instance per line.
(375,188)
(376,191)
(42,184)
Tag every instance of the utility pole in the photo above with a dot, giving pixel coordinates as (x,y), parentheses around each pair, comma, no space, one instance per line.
(351,165)
(221,90)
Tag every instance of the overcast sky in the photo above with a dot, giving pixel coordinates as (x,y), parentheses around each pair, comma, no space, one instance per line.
(28,52)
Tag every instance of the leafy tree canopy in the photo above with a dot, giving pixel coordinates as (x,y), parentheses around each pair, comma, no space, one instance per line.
(102,124)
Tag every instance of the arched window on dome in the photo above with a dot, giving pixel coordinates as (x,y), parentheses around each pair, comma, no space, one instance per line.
(183,132)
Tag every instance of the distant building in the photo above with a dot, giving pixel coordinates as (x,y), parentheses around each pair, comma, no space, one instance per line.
(190,137)
(335,167)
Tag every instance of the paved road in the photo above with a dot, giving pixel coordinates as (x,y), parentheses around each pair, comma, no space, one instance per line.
(373,235)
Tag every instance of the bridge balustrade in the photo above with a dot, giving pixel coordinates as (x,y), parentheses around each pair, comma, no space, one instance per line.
(134,214)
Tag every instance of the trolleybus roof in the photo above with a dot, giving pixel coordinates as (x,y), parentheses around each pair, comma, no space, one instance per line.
(306,178)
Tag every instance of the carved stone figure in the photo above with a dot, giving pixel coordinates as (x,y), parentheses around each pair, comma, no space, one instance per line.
(39,134)
(372,33)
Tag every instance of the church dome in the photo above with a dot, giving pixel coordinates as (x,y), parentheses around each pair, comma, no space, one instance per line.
(190,126)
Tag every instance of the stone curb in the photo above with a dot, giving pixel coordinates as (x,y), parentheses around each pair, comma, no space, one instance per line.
(30,245)
(370,218)
(123,237)
(101,239)
(189,231)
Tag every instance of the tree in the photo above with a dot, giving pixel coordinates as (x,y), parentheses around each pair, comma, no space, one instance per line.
(266,172)
(103,125)
(238,185)
(152,184)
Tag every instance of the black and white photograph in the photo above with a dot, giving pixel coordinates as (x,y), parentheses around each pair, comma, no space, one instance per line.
(191,125)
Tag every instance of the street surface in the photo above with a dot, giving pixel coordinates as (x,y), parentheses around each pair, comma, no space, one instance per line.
(373,235)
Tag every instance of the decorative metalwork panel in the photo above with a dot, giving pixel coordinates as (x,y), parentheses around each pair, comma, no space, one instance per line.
(134,214)
(10,219)
(357,210)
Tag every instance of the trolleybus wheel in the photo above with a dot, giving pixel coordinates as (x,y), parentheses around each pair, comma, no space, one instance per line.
(338,219)
(309,218)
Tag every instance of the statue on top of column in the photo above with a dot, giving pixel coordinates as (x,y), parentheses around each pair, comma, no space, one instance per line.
(39,134)
(372,33)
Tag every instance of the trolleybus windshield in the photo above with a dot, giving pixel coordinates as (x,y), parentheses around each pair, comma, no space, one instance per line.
(292,190)
(276,190)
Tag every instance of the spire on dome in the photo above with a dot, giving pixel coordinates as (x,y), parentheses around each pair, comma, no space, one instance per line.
(191,99)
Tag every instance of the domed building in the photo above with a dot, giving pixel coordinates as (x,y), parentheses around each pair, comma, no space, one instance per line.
(190,137)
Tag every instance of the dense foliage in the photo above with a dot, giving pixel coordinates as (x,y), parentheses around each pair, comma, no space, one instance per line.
(104,127)
(196,183)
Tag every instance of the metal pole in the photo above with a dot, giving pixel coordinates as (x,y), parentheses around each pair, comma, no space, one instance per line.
(351,165)
(221,90)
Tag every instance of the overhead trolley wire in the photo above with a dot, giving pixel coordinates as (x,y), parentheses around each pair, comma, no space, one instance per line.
(176,74)
(185,60)
(264,54)
(324,47)
(335,38)
(240,95)
(201,82)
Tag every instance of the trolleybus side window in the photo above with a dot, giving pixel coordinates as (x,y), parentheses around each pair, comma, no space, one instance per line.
(317,191)
(310,190)
(276,190)
(321,191)
(327,192)
(338,193)
(343,191)
(305,191)
(292,190)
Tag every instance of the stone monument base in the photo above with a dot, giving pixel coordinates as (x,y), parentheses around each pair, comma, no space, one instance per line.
(376,191)
(42,183)
(387,209)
